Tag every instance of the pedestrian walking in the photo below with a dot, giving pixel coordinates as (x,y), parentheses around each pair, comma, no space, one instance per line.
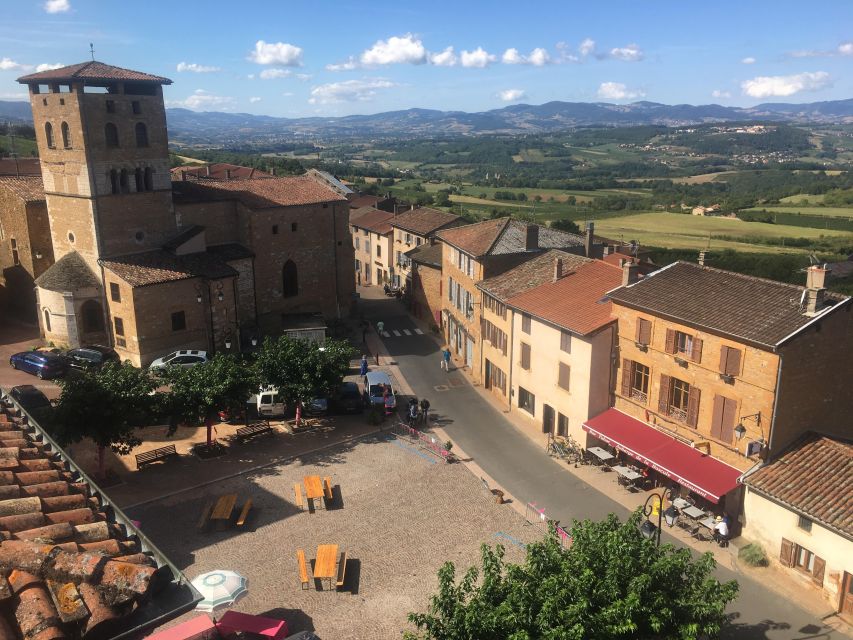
(413,412)
(363,370)
(380,327)
(425,411)
(445,359)
(388,399)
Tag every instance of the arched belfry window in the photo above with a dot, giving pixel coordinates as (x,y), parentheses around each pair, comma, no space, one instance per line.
(290,280)
(111,135)
(141,135)
(149,179)
(124,185)
(66,135)
(47,319)
(48,134)
(140,185)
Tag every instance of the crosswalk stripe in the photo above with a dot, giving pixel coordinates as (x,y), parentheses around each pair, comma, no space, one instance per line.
(407,332)
(396,333)
(419,332)
(385,334)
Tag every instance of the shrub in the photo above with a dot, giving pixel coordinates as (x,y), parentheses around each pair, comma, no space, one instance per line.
(753,555)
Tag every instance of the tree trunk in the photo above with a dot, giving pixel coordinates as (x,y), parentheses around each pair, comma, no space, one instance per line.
(299,414)
(208,422)
(101,471)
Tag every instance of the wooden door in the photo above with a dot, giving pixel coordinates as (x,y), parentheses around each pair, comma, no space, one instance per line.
(487,378)
(845,607)
(547,419)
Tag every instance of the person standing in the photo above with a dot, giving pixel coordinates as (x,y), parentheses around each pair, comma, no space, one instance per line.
(445,359)
(425,411)
(380,327)
(363,370)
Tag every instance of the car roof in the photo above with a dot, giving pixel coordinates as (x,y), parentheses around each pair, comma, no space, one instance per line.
(378,377)
(25,388)
(349,385)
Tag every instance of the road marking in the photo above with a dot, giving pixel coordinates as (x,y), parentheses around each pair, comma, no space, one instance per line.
(409,449)
(419,332)
(407,332)
(385,334)
(512,539)
(396,333)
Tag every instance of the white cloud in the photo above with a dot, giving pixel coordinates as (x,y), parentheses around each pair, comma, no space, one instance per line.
(446,58)
(781,86)
(748,60)
(586,47)
(406,49)
(349,65)
(47,66)
(303,76)
(478,58)
(274,74)
(717,93)
(808,53)
(57,6)
(287,94)
(538,57)
(286,55)
(195,68)
(7,64)
(845,49)
(512,95)
(629,53)
(255,99)
(202,100)
(618,91)
(348,90)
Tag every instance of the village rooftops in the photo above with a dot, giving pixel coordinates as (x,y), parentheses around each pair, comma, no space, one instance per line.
(158,266)
(91,70)
(529,274)
(423,221)
(27,188)
(365,200)
(505,236)
(20,167)
(69,273)
(761,312)
(426,254)
(372,220)
(218,171)
(814,477)
(575,300)
(257,193)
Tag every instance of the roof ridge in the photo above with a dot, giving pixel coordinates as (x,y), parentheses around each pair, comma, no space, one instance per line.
(499,235)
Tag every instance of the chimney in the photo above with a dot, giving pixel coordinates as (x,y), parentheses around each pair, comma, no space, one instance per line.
(587,245)
(630,272)
(412,208)
(816,276)
(558,269)
(272,171)
(207,170)
(228,174)
(531,238)
(814,295)
(183,175)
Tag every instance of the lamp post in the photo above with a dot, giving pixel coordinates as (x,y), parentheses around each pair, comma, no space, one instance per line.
(648,528)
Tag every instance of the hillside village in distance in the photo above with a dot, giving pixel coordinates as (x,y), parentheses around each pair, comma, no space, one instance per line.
(244,376)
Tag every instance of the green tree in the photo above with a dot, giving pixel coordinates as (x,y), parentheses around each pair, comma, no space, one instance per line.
(103,405)
(198,393)
(612,583)
(564,224)
(301,369)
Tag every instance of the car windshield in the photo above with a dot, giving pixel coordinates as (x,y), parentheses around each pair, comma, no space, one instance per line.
(377,389)
(170,357)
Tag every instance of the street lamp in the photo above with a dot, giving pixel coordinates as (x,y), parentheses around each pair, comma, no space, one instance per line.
(254,341)
(648,528)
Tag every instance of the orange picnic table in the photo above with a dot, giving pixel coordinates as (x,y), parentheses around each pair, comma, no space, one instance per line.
(313,487)
(326,562)
(224,506)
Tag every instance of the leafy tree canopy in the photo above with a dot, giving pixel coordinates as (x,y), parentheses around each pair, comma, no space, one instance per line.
(564,224)
(612,583)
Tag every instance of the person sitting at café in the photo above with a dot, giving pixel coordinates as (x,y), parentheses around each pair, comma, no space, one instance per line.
(721,531)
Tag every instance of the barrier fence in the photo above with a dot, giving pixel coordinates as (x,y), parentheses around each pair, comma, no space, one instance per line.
(425,440)
(536,516)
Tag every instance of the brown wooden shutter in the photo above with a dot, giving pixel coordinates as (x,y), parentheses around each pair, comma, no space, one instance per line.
(693,406)
(670,341)
(665,391)
(786,554)
(525,356)
(727,420)
(733,362)
(724,355)
(564,376)
(644,331)
(818,570)
(696,353)
(627,372)
(717,417)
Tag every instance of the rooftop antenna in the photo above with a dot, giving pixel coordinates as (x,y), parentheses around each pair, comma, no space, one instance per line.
(92,51)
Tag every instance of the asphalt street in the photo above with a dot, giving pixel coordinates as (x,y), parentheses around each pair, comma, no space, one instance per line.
(527,472)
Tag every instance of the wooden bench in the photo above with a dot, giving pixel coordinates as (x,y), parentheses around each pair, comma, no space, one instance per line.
(155,454)
(205,516)
(342,570)
(327,488)
(245,433)
(303,568)
(297,490)
(244,513)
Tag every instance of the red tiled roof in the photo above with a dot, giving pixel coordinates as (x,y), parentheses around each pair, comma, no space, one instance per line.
(258,193)
(536,270)
(813,476)
(91,70)
(423,220)
(505,236)
(68,568)
(373,220)
(366,201)
(475,239)
(573,302)
(218,171)
(158,266)
(27,188)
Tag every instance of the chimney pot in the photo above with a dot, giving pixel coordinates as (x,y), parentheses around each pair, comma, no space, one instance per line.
(630,272)
(207,171)
(558,269)
(228,174)
(816,276)
(590,230)
(531,238)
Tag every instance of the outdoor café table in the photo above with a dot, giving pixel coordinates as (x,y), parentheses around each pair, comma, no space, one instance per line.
(681,504)
(224,506)
(601,454)
(628,473)
(693,512)
(326,562)
(313,487)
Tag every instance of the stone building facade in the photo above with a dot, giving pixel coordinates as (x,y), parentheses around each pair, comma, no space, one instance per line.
(372,237)
(426,284)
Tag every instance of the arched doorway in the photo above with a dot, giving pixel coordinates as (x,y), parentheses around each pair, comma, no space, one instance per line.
(92,316)
(290,280)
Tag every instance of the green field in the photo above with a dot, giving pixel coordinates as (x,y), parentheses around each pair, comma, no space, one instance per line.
(833,212)
(675,231)
(805,198)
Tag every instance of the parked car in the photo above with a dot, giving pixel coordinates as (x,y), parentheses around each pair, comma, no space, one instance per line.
(266,403)
(374,387)
(34,402)
(183,358)
(39,363)
(347,398)
(317,406)
(91,357)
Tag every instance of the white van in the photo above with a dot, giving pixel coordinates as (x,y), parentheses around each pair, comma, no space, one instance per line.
(374,389)
(267,402)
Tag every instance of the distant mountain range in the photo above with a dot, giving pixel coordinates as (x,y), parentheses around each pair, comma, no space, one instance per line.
(211,127)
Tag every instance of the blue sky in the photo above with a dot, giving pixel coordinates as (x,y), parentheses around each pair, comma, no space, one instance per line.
(289,58)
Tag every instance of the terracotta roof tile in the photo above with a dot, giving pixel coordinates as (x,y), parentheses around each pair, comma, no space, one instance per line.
(372,220)
(575,301)
(426,254)
(27,188)
(505,236)
(70,273)
(73,566)
(537,269)
(813,476)
(755,310)
(475,239)
(158,266)
(424,221)
(218,171)
(92,70)
(257,193)
(366,201)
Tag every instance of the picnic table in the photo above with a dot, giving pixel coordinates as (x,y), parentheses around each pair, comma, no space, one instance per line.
(602,454)
(313,487)
(224,506)
(628,473)
(326,562)
(681,504)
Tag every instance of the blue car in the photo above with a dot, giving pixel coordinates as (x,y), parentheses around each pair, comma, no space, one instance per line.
(39,363)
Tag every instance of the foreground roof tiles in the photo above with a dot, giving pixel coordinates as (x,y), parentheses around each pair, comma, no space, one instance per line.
(755,310)
(423,220)
(158,266)
(92,70)
(257,193)
(814,476)
(27,188)
(576,301)
(218,171)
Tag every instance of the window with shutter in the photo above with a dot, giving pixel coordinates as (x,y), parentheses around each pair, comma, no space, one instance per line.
(525,323)
(665,394)
(627,374)
(644,331)
(670,341)
(786,554)
(818,569)
(564,376)
(525,356)
(696,354)
(733,362)
(723,418)
(693,407)
(566,342)
(717,417)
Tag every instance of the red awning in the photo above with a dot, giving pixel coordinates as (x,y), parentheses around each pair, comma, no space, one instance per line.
(691,468)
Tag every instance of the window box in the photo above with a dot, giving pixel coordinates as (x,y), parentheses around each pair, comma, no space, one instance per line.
(642,347)
(727,378)
(681,362)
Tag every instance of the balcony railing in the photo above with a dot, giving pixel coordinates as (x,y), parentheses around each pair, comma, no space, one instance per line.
(678,414)
(639,396)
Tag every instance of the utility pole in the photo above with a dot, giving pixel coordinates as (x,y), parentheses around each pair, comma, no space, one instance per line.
(12,148)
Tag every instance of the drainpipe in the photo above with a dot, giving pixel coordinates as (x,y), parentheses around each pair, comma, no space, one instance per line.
(511,345)
(775,408)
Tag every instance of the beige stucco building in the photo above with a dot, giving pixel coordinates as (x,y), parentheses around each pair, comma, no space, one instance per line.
(372,239)
(412,229)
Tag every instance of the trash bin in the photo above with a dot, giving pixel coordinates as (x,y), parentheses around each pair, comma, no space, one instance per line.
(499,496)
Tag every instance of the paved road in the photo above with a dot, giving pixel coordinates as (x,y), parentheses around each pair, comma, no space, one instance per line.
(529,474)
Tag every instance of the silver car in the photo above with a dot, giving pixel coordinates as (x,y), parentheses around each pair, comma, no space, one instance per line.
(183,358)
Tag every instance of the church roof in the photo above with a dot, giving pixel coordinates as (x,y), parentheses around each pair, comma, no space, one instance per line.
(257,193)
(27,188)
(159,266)
(69,273)
(91,70)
